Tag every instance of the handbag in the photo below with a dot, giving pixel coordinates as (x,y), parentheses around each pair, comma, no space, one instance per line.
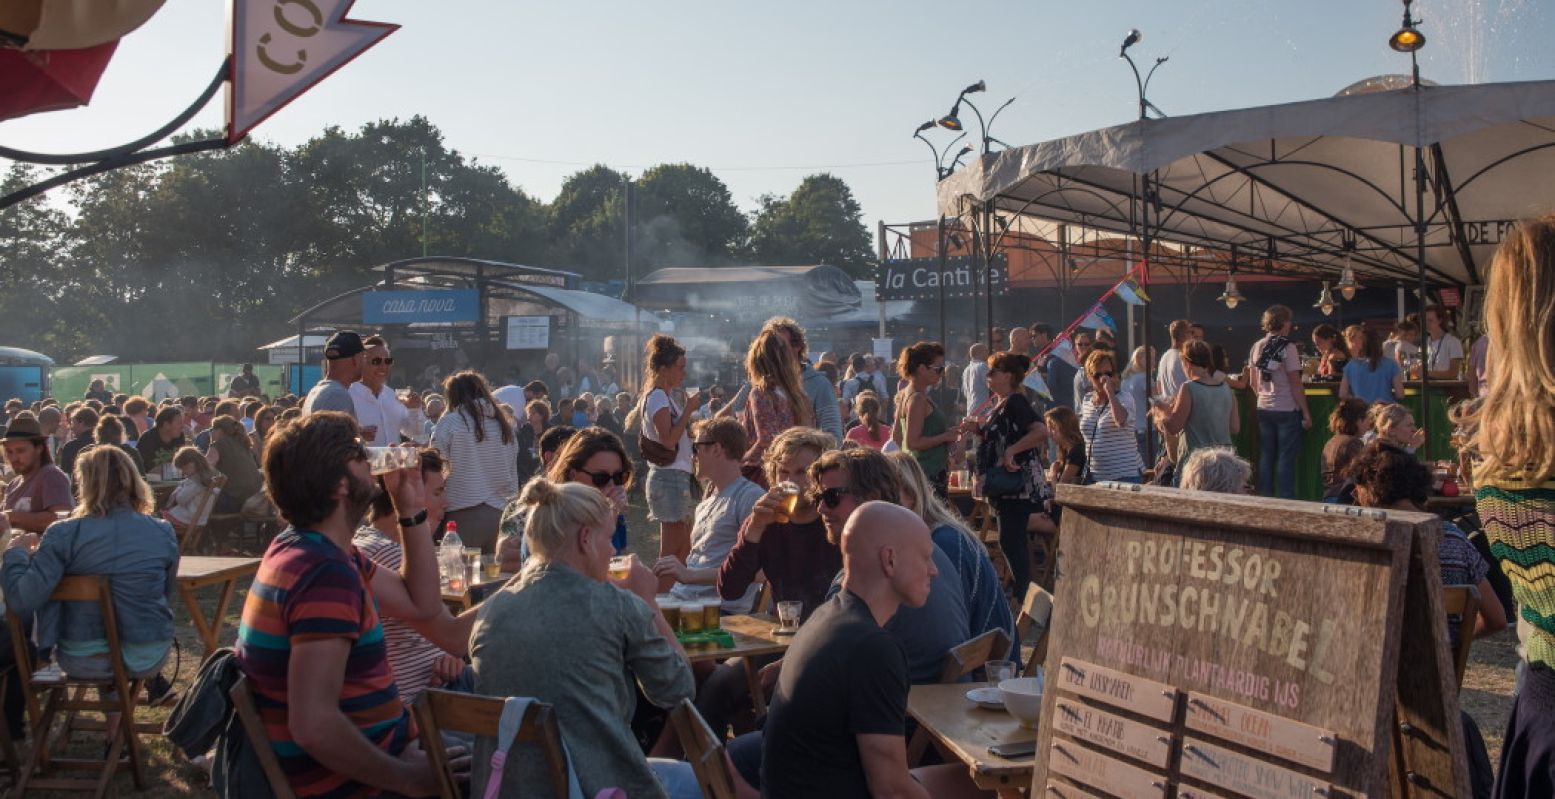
(999,482)
(654,452)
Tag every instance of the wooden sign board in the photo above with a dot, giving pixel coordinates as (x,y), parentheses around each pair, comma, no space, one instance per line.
(1207,645)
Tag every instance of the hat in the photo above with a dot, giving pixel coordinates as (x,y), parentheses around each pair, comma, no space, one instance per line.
(344,344)
(26,428)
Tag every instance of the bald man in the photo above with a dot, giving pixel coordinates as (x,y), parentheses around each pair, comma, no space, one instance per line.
(837,720)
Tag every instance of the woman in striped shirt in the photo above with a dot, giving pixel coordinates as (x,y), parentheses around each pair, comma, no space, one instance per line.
(1106,421)
(482,452)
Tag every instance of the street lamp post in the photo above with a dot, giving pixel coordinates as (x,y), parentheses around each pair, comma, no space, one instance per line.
(952,121)
(1149,197)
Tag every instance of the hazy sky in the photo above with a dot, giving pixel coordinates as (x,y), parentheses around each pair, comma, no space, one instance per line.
(765,93)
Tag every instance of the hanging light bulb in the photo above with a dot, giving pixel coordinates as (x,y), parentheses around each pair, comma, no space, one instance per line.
(1326,301)
(1347,285)
(1231,296)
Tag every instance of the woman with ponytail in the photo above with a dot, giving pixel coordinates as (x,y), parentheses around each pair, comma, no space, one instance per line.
(870,431)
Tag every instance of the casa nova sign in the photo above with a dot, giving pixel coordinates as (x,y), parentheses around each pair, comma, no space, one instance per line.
(282,48)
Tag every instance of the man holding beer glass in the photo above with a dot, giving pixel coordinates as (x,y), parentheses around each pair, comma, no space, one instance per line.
(718,445)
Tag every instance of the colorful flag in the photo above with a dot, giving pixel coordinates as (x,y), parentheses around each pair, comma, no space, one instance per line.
(1035,382)
(1129,293)
(1064,349)
(1098,319)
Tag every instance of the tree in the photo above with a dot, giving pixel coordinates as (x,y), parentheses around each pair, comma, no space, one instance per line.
(584,226)
(819,223)
(34,272)
(685,216)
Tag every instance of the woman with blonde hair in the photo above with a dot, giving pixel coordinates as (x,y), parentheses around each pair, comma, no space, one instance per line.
(777,398)
(870,431)
(567,633)
(111,533)
(1513,439)
(1395,424)
(190,496)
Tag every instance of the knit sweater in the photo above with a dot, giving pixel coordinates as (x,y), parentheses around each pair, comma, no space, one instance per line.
(1519,520)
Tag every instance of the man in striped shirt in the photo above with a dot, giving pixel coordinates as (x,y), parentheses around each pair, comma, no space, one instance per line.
(310,641)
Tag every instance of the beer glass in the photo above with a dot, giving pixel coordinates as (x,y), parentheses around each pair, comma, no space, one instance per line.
(790,504)
(670,608)
(383,460)
(691,617)
(620,566)
(788,613)
(1000,670)
(710,614)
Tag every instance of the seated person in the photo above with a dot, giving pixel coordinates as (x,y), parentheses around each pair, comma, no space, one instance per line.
(566,633)
(39,489)
(1215,469)
(83,421)
(717,446)
(158,444)
(311,643)
(1348,422)
(417,663)
(592,456)
(112,534)
(1396,425)
(188,497)
(232,453)
(839,715)
(111,431)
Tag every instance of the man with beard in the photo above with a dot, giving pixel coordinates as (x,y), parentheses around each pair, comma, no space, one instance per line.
(311,643)
(39,489)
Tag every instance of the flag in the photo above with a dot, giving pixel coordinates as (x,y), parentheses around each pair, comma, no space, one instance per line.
(1035,382)
(1098,319)
(1064,349)
(1130,293)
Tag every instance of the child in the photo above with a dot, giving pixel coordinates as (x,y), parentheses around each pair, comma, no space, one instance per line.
(190,497)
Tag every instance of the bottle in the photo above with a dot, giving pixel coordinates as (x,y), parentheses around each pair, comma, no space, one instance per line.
(450,558)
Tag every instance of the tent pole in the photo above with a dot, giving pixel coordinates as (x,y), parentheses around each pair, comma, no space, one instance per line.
(1144,275)
(1425,362)
(944,336)
(988,268)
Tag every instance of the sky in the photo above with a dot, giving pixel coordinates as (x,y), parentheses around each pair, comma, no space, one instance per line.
(766,93)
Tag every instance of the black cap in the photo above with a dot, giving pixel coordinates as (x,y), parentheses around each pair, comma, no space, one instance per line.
(344,344)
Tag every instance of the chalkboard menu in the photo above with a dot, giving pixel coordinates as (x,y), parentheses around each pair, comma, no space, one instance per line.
(1207,645)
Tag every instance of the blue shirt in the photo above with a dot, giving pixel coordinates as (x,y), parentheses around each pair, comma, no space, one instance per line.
(1372,385)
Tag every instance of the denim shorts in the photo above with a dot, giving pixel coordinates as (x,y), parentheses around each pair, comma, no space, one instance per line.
(669,495)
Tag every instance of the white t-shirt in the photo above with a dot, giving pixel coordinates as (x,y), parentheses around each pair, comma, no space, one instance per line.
(1398,350)
(1443,351)
(1170,374)
(656,400)
(511,396)
(385,412)
(1276,393)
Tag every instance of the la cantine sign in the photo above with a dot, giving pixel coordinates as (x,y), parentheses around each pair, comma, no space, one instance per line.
(921,278)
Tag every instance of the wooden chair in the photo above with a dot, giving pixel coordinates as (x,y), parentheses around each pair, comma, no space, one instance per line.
(1462,601)
(479,715)
(1032,625)
(704,750)
(67,695)
(763,603)
(242,696)
(202,518)
(959,662)
(986,523)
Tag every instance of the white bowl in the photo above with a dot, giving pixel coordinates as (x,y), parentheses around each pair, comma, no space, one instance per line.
(1023,698)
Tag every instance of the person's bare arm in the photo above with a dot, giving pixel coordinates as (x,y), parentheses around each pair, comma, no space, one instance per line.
(1175,416)
(510,553)
(885,767)
(415,591)
(1236,416)
(36,521)
(1344,388)
(448,632)
(1492,616)
(1298,392)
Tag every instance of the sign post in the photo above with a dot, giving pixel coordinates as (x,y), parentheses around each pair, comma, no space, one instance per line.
(1246,647)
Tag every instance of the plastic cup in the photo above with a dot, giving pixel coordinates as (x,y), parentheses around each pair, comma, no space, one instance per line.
(670,609)
(710,616)
(383,460)
(1000,670)
(691,617)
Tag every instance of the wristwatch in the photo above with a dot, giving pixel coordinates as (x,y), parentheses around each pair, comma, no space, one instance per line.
(412,521)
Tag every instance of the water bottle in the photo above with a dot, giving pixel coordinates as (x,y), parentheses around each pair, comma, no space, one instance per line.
(450,559)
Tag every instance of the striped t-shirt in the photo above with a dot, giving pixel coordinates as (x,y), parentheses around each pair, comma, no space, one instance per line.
(1113,449)
(307,589)
(411,656)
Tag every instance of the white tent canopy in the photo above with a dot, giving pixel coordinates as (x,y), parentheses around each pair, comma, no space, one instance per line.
(1301,178)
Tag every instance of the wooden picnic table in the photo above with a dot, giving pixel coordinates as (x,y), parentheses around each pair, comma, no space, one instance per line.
(963,730)
(753,638)
(195,573)
(460,601)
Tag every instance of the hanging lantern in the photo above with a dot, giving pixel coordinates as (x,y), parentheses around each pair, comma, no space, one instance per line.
(1325,301)
(1347,285)
(1232,295)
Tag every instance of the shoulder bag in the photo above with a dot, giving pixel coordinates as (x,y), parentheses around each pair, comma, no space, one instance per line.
(654,452)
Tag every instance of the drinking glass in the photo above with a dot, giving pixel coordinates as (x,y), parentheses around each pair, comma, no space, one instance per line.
(788,612)
(711,616)
(491,568)
(691,617)
(1000,670)
(620,566)
(382,460)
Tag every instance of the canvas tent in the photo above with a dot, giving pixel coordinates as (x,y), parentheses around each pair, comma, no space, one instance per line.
(752,293)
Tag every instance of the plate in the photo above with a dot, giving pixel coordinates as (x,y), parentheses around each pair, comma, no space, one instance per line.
(987,696)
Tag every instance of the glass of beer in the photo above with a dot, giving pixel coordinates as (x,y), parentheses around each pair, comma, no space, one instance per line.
(790,493)
(710,614)
(382,460)
(670,608)
(491,568)
(691,616)
(788,613)
(620,566)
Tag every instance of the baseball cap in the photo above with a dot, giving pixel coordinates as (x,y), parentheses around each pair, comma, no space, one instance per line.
(343,344)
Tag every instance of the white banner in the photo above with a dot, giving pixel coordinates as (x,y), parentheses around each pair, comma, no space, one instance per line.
(281,48)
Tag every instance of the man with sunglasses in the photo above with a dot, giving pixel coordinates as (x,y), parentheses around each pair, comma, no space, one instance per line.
(717,446)
(381,415)
(343,362)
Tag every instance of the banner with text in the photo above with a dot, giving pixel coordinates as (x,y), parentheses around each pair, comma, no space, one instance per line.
(921,278)
(405,307)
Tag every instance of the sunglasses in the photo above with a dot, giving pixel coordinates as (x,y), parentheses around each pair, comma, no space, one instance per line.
(938,367)
(832,497)
(696,444)
(381,361)
(602,479)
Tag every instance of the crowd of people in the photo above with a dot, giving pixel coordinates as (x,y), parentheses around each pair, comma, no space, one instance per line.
(825,480)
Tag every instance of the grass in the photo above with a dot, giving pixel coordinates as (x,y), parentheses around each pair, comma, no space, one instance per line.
(1486,694)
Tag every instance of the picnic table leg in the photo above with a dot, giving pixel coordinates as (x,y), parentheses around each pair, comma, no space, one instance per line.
(753,677)
(196,615)
(228,588)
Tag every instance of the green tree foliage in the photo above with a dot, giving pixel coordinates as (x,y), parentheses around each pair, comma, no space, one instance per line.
(819,223)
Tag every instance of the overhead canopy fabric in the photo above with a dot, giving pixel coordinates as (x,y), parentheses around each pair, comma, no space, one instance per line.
(1302,177)
(754,293)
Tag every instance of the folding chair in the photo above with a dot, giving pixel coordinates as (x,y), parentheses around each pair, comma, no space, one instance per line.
(960,661)
(67,695)
(242,696)
(1462,601)
(704,750)
(202,518)
(439,710)
(1032,624)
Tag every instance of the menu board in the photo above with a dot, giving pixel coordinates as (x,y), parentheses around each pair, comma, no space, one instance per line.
(1207,645)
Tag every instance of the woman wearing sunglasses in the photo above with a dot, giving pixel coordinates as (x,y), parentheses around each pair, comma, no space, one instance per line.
(1009,462)
(594,457)
(1107,422)
(921,428)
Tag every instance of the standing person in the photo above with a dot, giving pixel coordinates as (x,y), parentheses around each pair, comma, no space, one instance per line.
(776,401)
(1513,438)
(1332,350)
(1403,344)
(1020,341)
(666,424)
(921,427)
(719,445)
(1370,376)
(1058,372)
(824,412)
(482,452)
(537,417)
(1081,382)
(379,412)
(311,643)
(344,359)
(1107,422)
(1444,351)
(137,417)
(1011,439)
(1479,364)
(1134,384)
(1275,364)
(974,379)
(111,431)
(1171,373)
(870,431)
(837,723)
(98,391)
(1203,413)
(39,488)
(158,444)
(246,384)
